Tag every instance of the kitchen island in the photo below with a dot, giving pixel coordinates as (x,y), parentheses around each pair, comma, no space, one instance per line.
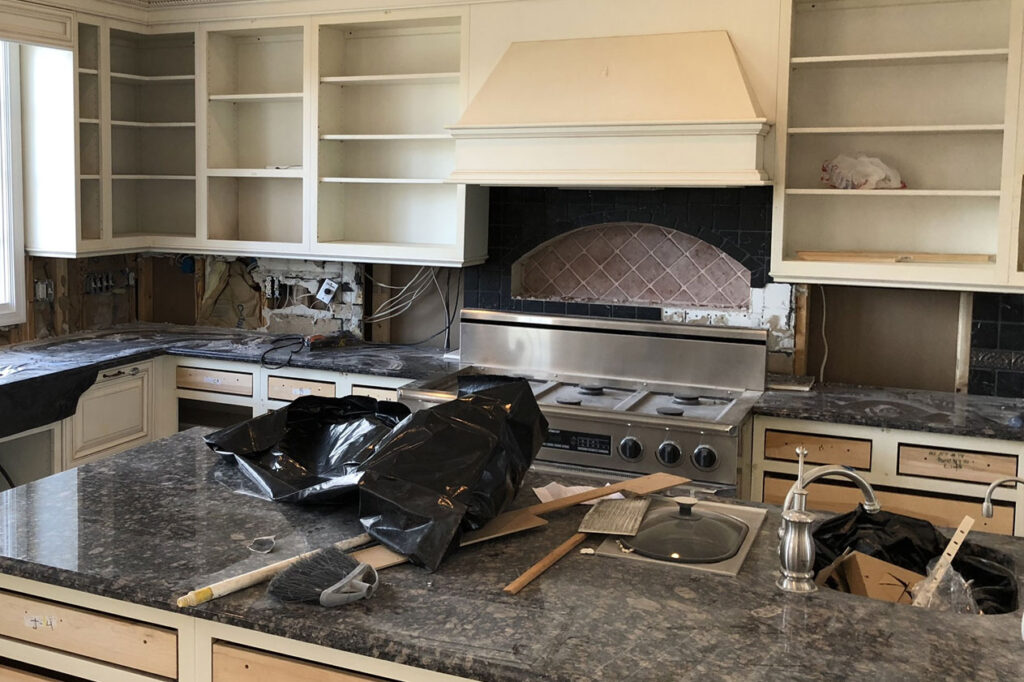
(130,534)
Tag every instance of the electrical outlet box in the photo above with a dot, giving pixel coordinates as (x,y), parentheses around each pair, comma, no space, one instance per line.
(327,291)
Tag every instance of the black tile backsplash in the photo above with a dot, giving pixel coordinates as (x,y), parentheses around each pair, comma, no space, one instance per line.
(736,220)
(997,346)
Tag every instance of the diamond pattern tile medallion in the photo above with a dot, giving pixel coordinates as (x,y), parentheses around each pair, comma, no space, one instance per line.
(632,263)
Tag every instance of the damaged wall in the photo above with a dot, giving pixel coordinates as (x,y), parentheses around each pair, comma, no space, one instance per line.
(267,294)
(70,295)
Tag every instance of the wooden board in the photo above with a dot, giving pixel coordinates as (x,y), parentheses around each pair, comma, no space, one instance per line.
(529,517)
(288,389)
(241,664)
(214,381)
(955,465)
(893,257)
(851,452)
(105,638)
(942,511)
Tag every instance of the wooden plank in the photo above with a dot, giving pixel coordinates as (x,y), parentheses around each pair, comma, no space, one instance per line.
(851,452)
(233,663)
(60,296)
(214,381)
(288,389)
(955,465)
(98,636)
(800,322)
(942,511)
(144,289)
(893,257)
(529,517)
(963,342)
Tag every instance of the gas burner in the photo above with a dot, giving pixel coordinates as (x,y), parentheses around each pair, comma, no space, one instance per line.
(567,400)
(591,389)
(670,411)
(686,398)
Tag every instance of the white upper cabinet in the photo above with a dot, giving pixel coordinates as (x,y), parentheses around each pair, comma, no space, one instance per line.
(386,90)
(256,118)
(930,88)
(317,138)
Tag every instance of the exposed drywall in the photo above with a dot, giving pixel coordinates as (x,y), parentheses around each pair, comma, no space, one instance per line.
(903,338)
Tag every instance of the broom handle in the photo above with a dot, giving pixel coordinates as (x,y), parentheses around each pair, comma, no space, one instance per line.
(240,582)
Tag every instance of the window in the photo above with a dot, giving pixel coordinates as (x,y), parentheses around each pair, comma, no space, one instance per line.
(12,254)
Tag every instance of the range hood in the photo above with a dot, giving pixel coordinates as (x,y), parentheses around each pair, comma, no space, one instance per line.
(659,110)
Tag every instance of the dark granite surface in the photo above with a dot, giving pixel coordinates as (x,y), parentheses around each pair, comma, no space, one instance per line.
(109,348)
(147,525)
(895,408)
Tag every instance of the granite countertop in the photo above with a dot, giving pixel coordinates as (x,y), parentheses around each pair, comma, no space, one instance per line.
(147,525)
(896,408)
(133,343)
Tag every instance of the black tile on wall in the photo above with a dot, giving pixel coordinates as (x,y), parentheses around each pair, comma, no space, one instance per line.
(981,382)
(1010,384)
(997,325)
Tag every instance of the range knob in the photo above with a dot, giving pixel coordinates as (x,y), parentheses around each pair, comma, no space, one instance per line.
(631,449)
(705,458)
(669,453)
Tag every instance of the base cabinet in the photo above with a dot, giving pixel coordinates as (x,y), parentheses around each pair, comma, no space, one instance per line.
(113,415)
(937,477)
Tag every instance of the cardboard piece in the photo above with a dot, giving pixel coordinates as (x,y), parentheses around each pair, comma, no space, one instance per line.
(877,579)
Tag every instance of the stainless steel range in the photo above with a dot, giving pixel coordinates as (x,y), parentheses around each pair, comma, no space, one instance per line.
(630,397)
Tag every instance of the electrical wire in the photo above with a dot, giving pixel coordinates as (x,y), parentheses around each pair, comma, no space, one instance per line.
(824,339)
(7,477)
(290,342)
(402,301)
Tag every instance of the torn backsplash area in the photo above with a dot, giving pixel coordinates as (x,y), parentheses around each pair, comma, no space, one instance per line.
(280,296)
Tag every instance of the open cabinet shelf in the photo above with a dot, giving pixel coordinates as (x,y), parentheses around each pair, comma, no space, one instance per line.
(255,129)
(901,81)
(387,90)
(91,136)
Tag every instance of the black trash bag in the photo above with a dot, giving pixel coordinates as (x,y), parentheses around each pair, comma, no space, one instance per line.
(911,543)
(450,468)
(311,450)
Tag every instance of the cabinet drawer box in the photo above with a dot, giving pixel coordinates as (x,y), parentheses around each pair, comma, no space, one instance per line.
(942,511)
(851,452)
(955,465)
(287,388)
(214,381)
(101,637)
(375,392)
(240,664)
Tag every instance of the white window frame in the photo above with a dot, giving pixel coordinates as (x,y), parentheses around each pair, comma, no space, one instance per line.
(12,220)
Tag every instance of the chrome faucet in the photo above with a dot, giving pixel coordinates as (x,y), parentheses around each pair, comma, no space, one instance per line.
(796,547)
(986,506)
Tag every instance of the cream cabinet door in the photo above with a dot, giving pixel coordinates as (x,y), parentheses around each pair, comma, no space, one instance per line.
(113,415)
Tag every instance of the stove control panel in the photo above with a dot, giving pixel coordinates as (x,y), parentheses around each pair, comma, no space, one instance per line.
(644,449)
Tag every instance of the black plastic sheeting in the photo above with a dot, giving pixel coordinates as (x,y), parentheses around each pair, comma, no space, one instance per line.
(38,401)
(911,543)
(311,450)
(422,479)
(449,468)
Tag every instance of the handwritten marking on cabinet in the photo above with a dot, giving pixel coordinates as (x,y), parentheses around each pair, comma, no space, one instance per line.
(36,622)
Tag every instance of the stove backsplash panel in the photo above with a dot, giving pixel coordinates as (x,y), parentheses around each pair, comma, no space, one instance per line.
(997,345)
(632,263)
(735,222)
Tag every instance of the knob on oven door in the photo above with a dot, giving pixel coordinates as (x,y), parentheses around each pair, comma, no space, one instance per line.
(631,449)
